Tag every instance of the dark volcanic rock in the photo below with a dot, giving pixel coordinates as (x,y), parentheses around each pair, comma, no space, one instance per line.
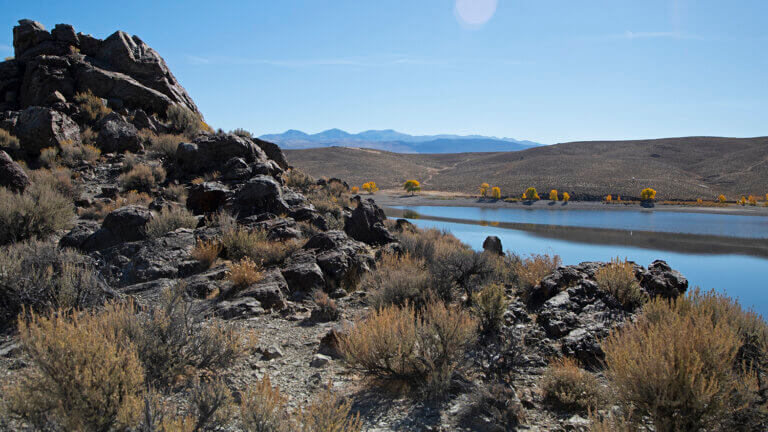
(493,244)
(273,152)
(207,197)
(342,259)
(660,279)
(210,153)
(269,291)
(121,225)
(38,128)
(76,237)
(45,76)
(12,175)
(27,35)
(260,194)
(366,223)
(117,135)
(302,274)
(243,307)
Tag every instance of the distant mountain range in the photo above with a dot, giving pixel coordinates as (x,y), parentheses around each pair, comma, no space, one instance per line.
(394,141)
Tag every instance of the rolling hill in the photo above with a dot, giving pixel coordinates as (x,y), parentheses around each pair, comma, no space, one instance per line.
(391,140)
(685,168)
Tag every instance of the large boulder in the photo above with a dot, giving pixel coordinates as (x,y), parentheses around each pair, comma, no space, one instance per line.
(131,56)
(259,195)
(366,223)
(493,244)
(44,76)
(661,280)
(302,274)
(125,224)
(273,152)
(117,135)
(38,128)
(12,176)
(27,35)
(210,153)
(207,197)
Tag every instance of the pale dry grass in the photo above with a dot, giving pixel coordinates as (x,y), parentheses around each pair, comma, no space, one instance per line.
(618,279)
(206,252)
(244,273)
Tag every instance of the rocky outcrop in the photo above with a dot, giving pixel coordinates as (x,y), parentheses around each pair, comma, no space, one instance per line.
(273,152)
(211,153)
(12,176)
(117,135)
(49,67)
(302,274)
(207,197)
(343,260)
(366,223)
(259,195)
(125,224)
(38,128)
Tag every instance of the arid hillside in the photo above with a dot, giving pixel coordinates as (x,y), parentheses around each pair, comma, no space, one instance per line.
(688,168)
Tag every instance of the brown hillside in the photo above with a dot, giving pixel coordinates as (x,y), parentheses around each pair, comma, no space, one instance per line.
(688,168)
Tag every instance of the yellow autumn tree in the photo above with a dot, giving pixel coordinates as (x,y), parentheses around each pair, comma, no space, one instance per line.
(648,194)
(553,195)
(608,198)
(484,189)
(370,187)
(752,200)
(496,192)
(743,200)
(412,186)
(566,197)
(355,190)
(530,194)
(721,198)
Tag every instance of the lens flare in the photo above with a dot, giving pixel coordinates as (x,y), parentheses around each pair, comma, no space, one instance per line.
(475,13)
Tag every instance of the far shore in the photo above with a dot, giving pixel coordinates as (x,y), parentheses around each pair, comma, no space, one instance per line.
(392,198)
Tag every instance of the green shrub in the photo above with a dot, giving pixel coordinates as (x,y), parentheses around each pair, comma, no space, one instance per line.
(397,281)
(170,219)
(142,178)
(397,343)
(676,364)
(184,120)
(618,278)
(91,107)
(83,376)
(8,142)
(37,213)
(567,386)
(489,306)
(40,277)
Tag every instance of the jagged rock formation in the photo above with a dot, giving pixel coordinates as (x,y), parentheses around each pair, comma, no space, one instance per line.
(50,67)
(12,176)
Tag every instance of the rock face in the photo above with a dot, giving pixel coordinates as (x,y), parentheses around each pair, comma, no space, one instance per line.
(212,153)
(260,194)
(366,223)
(273,152)
(207,197)
(125,224)
(49,67)
(117,135)
(12,176)
(38,128)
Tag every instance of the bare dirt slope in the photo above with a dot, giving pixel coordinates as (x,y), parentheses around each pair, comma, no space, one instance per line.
(687,168)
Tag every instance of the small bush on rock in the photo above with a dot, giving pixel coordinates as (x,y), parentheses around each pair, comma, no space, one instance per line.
(531,270)
(297,179)
(37,213)
(244,273)
(327,309)
(58,179)
(164,145)
(239,243)
(571,388)
(91,107)
(142,178)
(8,142)
(176,193)
(206,252)
(618,278)
(170,219)
(395,342)
(184,120)
(100,209)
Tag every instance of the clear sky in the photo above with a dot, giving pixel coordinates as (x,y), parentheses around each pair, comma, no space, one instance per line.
(544,70)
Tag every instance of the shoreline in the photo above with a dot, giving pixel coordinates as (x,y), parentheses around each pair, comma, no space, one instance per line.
(389,199)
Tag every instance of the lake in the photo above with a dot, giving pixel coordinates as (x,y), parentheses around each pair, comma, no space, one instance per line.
(726,252)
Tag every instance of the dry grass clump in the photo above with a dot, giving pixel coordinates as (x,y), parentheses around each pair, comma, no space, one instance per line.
(327,309)
(423,243)
(263,409)
(679,364)
(39,277)
(459,268)
(57,178)
(142,178)
(397,281)
(176,193)
(8,142)
(164,145)
(244,273)
(99,210)
(297,179)
(184,120)
(571,388)
(531,270)
(91,107)
(73,154)
(618,278)
(489,306)
(38,212)
(241,242)
(83,375)
(206,252)
(395,342)
(170,219)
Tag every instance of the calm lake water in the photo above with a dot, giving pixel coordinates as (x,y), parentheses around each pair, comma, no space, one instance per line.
(726,252)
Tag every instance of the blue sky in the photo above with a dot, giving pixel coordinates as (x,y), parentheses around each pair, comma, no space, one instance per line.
(544,70)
